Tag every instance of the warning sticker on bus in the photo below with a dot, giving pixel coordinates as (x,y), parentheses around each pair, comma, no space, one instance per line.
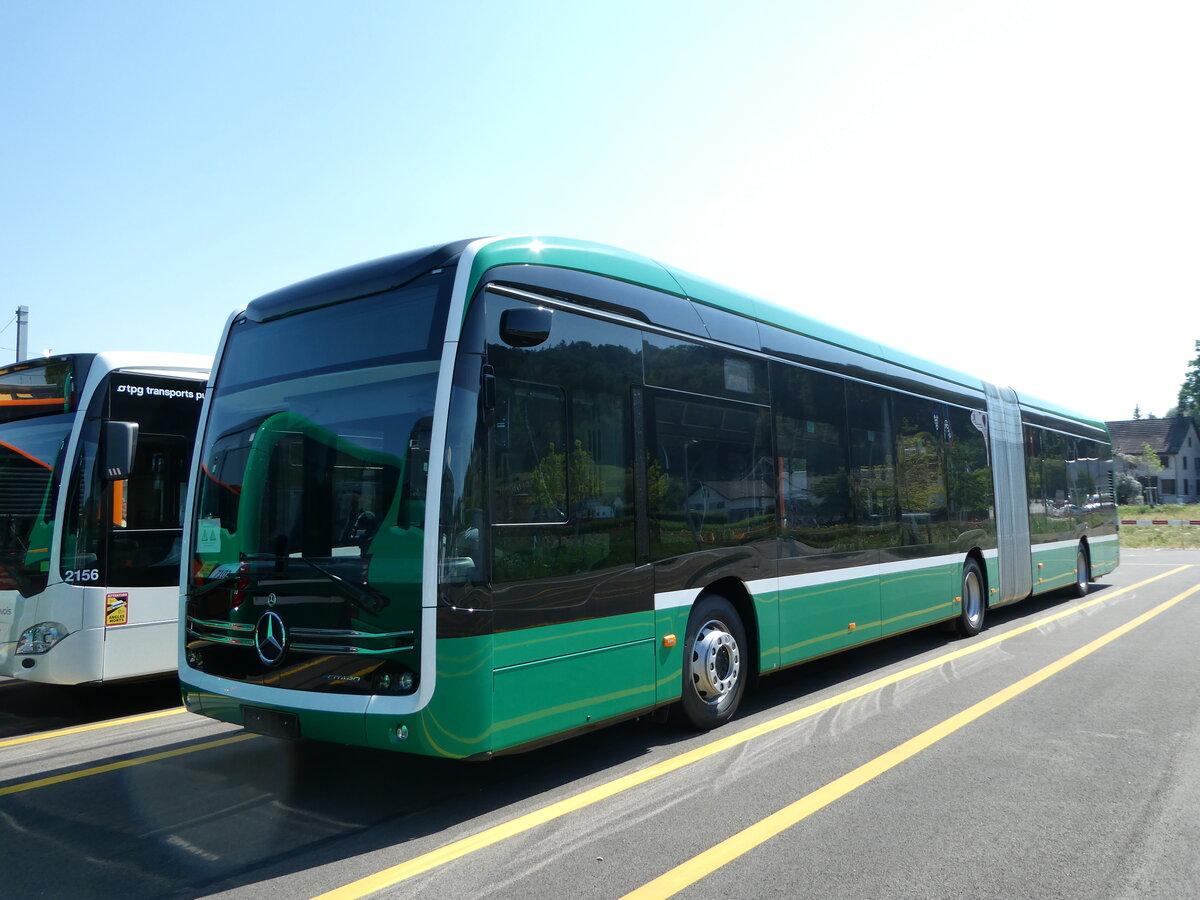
(116,609)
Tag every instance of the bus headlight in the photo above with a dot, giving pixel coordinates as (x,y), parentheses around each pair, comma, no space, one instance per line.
(40,638)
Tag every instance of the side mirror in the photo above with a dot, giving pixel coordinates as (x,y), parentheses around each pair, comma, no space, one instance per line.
(526,326)
(120,443)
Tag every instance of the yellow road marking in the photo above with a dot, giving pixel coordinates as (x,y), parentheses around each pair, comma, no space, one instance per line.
(95,726)
(123,764)
(497,833)
(696,868)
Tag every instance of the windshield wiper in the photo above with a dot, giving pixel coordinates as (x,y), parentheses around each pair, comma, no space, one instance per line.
(363,596)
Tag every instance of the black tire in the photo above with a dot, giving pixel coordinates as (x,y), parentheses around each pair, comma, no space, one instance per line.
(974,601)
(715,664)
(1083,573)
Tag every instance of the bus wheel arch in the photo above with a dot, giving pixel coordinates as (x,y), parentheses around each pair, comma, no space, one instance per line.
(718,659)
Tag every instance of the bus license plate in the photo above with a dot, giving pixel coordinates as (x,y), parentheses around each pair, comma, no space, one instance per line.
(271,722)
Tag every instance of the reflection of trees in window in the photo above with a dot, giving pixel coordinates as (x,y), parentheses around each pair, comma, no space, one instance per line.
(1033,473)
(920,469)
(1052,513)
(530,424)
(872,465)
(716,458)
(577,491)
(1090,479)
(815,483)
(561,448)
(968,470)
(700,369)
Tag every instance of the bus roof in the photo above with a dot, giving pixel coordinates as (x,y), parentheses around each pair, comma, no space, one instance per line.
(636,269)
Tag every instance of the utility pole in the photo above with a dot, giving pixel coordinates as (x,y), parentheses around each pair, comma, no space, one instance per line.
(22,333)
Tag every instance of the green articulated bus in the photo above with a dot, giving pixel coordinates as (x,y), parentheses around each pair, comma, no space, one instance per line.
(482,496)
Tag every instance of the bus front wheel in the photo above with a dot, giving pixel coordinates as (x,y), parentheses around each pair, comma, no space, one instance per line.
(715,666)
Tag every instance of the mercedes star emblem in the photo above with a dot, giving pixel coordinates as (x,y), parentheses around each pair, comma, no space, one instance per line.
(270,638)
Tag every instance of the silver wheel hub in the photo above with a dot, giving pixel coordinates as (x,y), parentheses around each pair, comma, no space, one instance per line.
(973,598)
(716,662)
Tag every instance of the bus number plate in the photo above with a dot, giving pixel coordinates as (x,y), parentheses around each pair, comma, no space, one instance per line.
(271,722)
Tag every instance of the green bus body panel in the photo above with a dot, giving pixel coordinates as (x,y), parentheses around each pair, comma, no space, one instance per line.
(920,597)
(991,568)
(1053,567)
(540,699)
(1104,556)
(457,722)
(530,645)
(767,614)
(561,677)
(816,619)
(668,678)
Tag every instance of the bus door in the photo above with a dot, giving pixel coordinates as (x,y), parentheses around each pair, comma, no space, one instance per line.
(573,612)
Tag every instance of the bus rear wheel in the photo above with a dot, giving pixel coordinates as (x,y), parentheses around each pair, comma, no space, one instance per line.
(1083,573)
(715,666)
(974,603)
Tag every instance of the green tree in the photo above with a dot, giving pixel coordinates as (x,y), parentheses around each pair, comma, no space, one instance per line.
(1189,393)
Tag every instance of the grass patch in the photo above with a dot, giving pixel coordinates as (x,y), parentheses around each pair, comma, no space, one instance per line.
(1175,537)
(1170,511)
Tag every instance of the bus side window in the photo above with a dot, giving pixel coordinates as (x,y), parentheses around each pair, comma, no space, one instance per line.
(561,450)
(530,474)
(710,481)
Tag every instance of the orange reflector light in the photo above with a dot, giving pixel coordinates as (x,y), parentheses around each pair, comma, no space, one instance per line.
(853,625)
(668,640)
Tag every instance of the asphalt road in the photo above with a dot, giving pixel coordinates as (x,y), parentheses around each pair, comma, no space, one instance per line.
(1057,754)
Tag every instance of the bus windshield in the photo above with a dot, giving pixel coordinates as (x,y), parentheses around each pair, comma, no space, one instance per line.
(29,468)
(36,389)
(314,463)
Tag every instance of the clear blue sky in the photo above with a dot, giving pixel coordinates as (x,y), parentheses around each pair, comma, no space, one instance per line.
(1008,188)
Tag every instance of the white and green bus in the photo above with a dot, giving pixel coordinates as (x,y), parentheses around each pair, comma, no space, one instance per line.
(477,497)
(94,458)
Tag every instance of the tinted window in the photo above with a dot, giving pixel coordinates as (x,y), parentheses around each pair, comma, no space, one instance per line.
(872,465)
(562,447)
(530,452)
(391,327)
(702,369)
(711,475)
(921,427)
(968,471)
(813,454)
(1050,510)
